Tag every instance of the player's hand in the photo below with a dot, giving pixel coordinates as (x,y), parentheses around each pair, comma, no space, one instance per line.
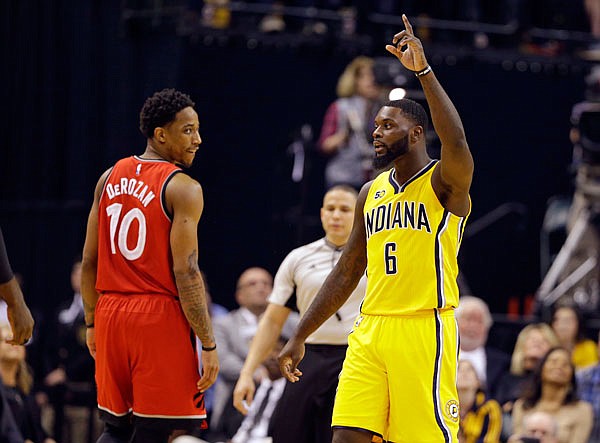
(210,370)
(243,393)
(413,57)
(289,357)
(21,323)
(90,339)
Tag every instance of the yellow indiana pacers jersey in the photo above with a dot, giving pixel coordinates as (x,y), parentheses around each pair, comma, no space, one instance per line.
(412,244)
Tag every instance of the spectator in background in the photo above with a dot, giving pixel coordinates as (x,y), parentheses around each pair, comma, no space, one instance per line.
(474,323)
(480,418)
(16,385)
(233,333)
(70,380)
(588,384)
(553,389)
(537,425)
(346,134)
(567,323)
(533,342)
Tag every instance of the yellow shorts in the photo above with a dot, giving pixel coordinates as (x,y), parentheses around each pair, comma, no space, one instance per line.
(399,378)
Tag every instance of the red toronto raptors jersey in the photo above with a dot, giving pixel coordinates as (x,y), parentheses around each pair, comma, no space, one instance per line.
(134,250)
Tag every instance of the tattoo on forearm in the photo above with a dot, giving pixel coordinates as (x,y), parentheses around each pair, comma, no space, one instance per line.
(88,311)
(192,297)
(334,292)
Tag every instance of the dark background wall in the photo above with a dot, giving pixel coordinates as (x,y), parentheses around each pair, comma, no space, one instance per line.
(74,77)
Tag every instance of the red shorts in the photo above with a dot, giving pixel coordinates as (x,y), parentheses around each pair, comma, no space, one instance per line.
(146,362)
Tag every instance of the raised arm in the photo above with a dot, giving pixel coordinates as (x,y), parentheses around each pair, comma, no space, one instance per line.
(19,316)
(89,266)
(269,330)
(452,178)
(338,286)
(184,197)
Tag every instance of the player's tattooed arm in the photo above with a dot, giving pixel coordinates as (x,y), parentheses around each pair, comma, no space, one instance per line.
(192,296)
(187,203)
(335,291)
(88,312)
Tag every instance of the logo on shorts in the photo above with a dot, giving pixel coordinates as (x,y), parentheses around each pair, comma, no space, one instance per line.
(199,400)
(452,410)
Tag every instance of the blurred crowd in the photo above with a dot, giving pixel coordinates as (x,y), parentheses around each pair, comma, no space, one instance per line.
(547,28)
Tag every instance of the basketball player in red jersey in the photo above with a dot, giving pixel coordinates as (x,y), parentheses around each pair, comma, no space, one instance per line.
(142,289)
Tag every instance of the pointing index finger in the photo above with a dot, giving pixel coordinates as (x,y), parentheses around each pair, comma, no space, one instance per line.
(407,24)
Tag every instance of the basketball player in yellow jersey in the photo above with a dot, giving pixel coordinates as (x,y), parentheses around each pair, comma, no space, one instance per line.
(398,381)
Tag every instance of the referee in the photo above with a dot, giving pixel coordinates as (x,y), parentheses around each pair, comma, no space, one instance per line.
(303,414)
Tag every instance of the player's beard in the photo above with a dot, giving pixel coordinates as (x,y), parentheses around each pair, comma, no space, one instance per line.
(393,152)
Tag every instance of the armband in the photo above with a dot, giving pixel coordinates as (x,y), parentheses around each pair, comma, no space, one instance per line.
(208,349)
(423,72)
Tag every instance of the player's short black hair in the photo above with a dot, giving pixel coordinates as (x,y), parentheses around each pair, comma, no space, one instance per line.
(412,110)
(160,109)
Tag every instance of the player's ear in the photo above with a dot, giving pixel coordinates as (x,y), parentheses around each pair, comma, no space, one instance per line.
(416,133)
(159,134)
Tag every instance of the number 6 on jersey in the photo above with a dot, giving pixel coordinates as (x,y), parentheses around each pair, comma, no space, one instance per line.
(391,261)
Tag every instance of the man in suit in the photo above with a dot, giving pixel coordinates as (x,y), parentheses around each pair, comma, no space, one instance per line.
(233,333)
(474,323)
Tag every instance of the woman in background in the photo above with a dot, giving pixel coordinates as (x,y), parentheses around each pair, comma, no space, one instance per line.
(553,389)
(533,342)
(346,134)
